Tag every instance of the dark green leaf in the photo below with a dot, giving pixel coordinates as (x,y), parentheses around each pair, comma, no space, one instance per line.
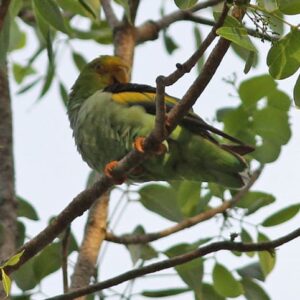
(267,152)
(21,297)
(63,94)
(169,42)
(224,282)
(51,13)
(92,7)
(281,216)
(161,200)
(25,209)
(253,291)
(252,270)
(48,80)
(79,60)
(208,293)
(246,238)
(250,61)
(280,100)
(253,201)
(125,5)
(48,261)
(25,277)
(296,92)
(289,7)
(237,35)
(21,233)
(28,86)
(185,4)
(267,259)
(284,56)
(164,293)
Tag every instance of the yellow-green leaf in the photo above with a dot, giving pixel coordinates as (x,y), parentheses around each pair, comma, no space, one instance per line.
(14,259)
(289,7)
(6,282)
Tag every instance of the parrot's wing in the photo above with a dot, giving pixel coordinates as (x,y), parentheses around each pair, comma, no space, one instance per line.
(132,94)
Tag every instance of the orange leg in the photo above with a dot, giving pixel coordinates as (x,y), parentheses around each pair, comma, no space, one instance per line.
(108,169)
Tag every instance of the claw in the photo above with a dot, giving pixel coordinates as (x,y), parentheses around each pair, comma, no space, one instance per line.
(139,146)
(108,171)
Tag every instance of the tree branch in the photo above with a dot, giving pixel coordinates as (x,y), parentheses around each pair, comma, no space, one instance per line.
(95,232)
(181,259)
(109,14)
(187,223)
(3,11)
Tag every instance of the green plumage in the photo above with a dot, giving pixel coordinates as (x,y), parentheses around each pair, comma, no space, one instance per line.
(107,114)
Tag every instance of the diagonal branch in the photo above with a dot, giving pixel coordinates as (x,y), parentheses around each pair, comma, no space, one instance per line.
(187,223)
(110,14)
(181,259)
(86,198)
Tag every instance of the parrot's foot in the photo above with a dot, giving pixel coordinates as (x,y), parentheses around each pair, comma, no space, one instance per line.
(108,172)
(139,146)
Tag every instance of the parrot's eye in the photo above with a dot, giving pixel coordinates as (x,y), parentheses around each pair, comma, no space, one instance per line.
(98,68)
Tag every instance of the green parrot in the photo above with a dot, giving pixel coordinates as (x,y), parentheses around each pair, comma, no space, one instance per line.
(107,114)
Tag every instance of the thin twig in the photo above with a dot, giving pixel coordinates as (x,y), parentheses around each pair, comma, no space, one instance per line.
(187,223)
(109,13)
(181,259)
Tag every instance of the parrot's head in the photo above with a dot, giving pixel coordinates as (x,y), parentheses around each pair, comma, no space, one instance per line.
(100,73)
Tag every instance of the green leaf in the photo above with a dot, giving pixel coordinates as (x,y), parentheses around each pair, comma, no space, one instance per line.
(141,251)
(21,297)
(79,60)
(14,259)
(256,88)
(6,282)
(20,72)
(25,277)
(224,282)
(161,200)
(191,272)
(188,197)
(28,86)
(255,200)
(198,41)
(17,38)
(51,13)
(272,124)
(165,292)
(296,92)
(253,291)
(125,5)
(267,259)
(250,61)
(169,42)
(208,293)
(48,80)
(92,7)
(269,5)
(280,100)
(284,57)
(281,216)
(63,94)
(289,7)
(185,4)
(48,261)
(246,238)
(237,35)
(252,270)
(25,209)
(21,234)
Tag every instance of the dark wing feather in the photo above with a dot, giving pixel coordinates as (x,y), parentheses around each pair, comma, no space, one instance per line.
(144,96)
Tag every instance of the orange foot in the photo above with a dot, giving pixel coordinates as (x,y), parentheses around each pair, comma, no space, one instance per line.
(108,169)
(139,146)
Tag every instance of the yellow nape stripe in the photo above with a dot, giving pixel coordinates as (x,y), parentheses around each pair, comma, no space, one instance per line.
(139,97)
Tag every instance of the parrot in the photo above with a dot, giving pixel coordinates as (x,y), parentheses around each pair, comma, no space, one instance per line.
(108,115)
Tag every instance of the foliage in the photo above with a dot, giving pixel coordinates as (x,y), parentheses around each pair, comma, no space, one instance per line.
(260,118)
